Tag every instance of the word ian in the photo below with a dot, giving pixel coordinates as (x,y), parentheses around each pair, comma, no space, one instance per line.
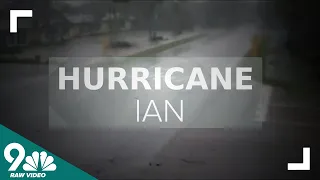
(157,114)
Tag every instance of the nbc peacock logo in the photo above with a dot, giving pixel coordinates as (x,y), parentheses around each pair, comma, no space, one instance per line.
(35,165)
(46,162)
(21,159)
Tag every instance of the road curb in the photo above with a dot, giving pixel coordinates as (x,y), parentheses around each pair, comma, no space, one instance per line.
(15,60)
(166,46)
(144,53)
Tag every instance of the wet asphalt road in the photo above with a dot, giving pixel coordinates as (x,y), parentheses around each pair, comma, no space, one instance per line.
(236,146)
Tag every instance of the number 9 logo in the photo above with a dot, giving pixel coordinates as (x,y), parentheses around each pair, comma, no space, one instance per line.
(15,161)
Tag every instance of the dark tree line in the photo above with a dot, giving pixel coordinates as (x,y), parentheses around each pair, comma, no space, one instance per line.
(300,18)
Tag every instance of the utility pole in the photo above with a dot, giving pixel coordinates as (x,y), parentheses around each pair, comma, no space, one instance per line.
(152,16)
